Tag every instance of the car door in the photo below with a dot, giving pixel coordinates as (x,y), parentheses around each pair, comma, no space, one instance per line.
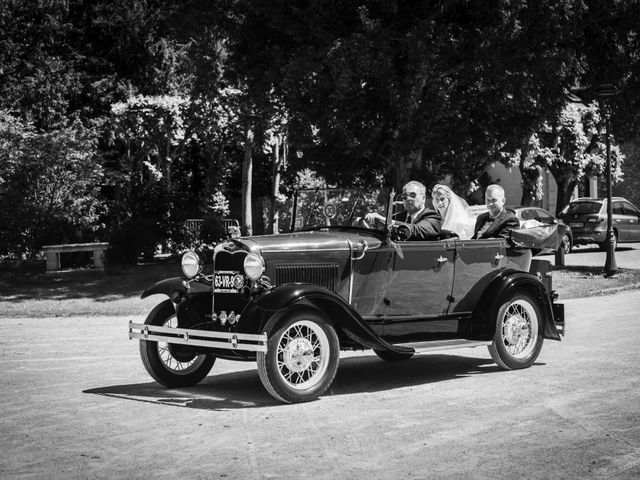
(419,289)
(620,221)
(477,262)
(369,278)
(632,216)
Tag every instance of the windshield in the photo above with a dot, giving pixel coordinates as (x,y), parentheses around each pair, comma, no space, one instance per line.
(339,207)
(582,208)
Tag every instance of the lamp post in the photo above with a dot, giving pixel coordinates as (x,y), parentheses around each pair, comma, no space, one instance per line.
(610,268)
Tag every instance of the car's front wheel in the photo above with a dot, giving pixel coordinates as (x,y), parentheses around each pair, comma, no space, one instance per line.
(518,337)
(172,365)
(302,357)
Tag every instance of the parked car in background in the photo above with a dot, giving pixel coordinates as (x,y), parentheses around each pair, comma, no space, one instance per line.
(533,215)
(587,218)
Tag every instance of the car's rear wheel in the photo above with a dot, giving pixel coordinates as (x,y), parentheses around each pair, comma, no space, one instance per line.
(389,356)
(518,337)
(172,365)
(302,357)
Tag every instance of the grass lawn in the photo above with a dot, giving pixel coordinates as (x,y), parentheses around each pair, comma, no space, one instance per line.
(117,290)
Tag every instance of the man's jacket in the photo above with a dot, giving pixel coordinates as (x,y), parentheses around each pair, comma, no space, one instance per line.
(426,225)
(501,226)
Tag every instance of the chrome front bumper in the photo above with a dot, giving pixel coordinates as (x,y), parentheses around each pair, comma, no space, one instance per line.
(199,338)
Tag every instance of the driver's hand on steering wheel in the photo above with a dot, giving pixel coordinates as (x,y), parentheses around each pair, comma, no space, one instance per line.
(372,217)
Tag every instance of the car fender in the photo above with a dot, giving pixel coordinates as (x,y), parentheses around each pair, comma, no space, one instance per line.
(282,300)
(504,283)
(175,288)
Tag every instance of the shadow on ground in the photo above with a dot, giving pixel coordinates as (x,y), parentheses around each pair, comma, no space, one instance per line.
(114,283)
(365,374)
(596,249)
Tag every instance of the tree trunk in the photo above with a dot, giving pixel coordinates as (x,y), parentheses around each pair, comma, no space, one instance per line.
(279,161)
(404,167)
(247,175)
(565,190)
(531,183)
(167,164)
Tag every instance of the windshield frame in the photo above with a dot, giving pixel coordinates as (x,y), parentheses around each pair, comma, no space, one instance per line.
(340,208)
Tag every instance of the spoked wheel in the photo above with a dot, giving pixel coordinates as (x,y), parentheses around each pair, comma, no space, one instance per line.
(302,357)
(172,365)
(518,337)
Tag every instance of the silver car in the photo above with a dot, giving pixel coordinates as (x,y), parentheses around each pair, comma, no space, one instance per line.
(543,217)
(587,218)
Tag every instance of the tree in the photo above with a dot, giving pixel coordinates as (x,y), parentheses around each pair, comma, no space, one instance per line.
(572,147)
(148,137)
(404,89)
(49,185)
(359,93)
(608,48)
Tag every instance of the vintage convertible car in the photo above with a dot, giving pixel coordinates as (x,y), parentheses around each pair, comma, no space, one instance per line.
(292,301)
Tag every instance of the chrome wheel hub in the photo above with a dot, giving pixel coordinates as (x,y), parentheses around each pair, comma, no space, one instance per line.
(516,330)
(298,355)
(303,354)
(519,328)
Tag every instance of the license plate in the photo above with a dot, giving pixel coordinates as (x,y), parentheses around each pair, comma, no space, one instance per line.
(227,281)
(575,225)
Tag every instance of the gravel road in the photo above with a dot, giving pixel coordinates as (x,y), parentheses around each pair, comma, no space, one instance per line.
(78,404)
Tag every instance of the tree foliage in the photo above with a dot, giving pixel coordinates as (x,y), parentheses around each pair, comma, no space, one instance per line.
(407,88)
(193,100)
(49,186)
(572,147)
(608,49)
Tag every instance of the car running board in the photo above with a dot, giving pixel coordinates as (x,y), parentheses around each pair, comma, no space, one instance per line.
(423,347)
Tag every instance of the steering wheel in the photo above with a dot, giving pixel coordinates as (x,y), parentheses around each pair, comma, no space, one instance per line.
(399,232)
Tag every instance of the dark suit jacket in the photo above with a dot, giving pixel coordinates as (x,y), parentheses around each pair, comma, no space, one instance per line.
(500,227)
(426,226)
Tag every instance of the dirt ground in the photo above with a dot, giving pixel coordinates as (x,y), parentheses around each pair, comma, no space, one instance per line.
(76,403)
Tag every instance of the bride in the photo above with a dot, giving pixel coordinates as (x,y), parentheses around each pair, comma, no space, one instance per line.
(454,211)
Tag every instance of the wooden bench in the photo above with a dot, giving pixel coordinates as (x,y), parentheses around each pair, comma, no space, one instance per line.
(53,253)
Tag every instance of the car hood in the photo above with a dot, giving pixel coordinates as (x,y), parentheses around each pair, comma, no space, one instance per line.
(334,240)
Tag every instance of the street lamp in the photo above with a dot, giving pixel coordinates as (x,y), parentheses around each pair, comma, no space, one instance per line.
(610,268)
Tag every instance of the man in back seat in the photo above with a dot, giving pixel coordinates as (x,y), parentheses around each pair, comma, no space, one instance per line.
(498,221)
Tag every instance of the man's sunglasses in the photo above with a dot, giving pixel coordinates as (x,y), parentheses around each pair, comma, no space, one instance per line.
(410,195)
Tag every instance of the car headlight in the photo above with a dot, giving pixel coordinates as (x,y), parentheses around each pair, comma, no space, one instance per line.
(191,264)
(253,266)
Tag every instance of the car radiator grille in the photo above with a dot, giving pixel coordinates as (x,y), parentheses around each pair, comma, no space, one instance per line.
(324,275)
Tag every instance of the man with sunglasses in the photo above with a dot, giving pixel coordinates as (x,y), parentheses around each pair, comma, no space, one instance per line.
(416,222)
